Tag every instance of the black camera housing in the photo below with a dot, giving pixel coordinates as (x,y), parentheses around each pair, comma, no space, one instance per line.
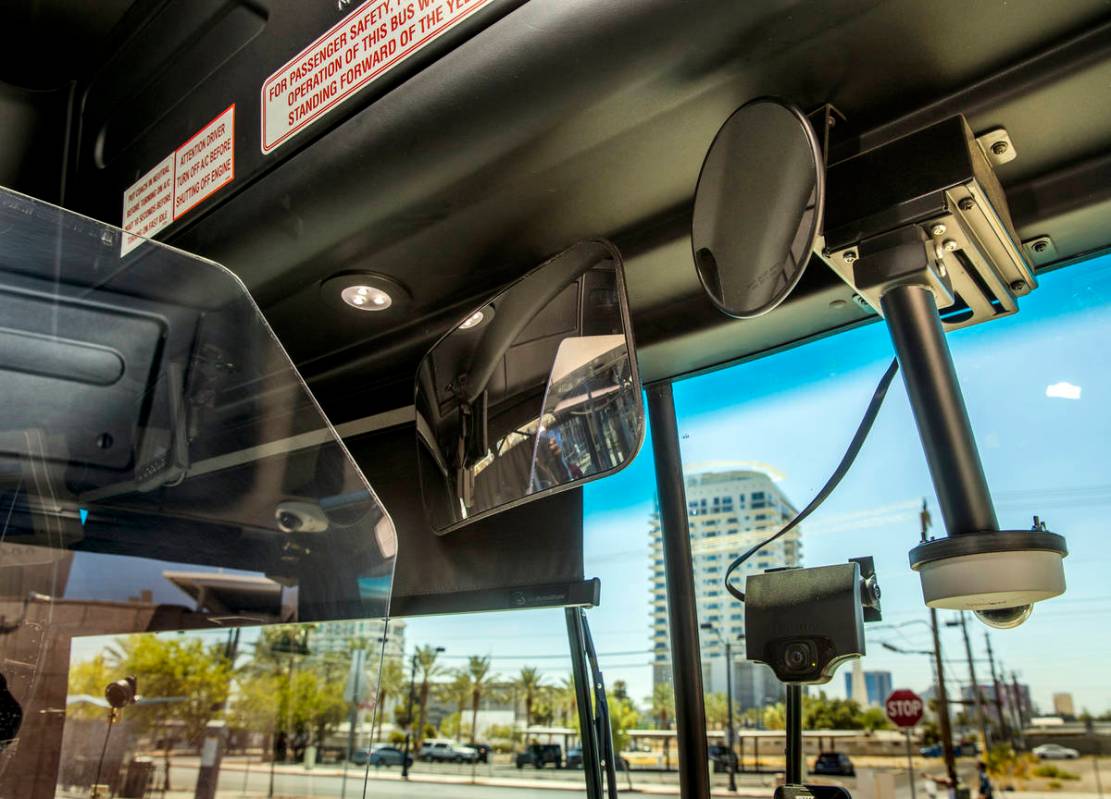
(803,623)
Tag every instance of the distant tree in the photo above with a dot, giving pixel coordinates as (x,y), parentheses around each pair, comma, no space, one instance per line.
(624,716)
(192,679)
(391,684)
(457,691)
(663,704)
(717,711)
(529,682)
(620,689)
(479,670)
(566,702)
(428,668)
(90,678)
(775,717)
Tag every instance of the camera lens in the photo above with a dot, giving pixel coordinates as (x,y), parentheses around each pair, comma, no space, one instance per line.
(798,655)
(288,521)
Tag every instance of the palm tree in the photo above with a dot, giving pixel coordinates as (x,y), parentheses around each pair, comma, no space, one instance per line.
(457,691)
(663,708)
(529,682)
(426,664)
(567,700)
(391,682)
(478,669)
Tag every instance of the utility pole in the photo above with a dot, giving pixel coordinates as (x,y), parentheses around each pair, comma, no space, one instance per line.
(730,734)
(1020,709)
(1003,726)
(943,721)
(981,719)
(409,719)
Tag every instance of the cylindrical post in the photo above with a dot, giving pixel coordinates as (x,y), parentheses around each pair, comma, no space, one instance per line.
(686,656)
(910,766)
(409,720)
(939,411)
(729,710)
(794,734)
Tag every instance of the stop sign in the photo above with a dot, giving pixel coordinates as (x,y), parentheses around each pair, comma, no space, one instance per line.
(904,708)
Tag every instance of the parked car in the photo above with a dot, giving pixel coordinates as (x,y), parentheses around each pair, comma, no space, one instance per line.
(380,756)
(834,763)
(959,750)
(539,755)
(447,752)
(721,757)
(575,757)
(1055,752)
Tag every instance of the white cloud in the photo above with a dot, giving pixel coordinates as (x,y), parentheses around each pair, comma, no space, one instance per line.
(1063,390)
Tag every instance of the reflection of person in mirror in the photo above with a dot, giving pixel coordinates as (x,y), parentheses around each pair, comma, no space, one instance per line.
(565,472)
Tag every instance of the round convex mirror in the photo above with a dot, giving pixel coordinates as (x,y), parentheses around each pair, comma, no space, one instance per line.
(757,207)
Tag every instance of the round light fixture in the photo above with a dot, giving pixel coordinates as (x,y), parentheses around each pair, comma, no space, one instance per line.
(366,298)
(474,320)
(478,319)
(365,291)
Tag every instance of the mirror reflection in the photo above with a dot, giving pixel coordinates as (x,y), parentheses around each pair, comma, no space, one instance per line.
(534,392)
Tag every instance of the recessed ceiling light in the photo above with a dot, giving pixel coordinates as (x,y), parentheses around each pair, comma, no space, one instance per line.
(474,320)
(366,298)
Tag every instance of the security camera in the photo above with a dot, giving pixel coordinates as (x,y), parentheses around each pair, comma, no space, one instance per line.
(121,693)
(804,623)
(999,575)
(300,517)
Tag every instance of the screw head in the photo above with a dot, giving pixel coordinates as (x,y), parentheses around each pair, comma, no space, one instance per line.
(1018,285)
(999,147)
(850,256)
(104,441)
(1040,246)
(950,246)
(967,204)
(937,230)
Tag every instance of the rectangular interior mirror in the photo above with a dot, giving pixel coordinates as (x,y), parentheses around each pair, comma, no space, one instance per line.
(534,392)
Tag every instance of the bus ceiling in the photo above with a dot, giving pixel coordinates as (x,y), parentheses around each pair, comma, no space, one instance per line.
(439,174)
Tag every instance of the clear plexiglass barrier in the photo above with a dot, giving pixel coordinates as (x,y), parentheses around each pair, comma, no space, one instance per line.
(163,467)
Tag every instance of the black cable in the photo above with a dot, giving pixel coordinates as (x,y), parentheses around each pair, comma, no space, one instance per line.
(842,469)
(103,751)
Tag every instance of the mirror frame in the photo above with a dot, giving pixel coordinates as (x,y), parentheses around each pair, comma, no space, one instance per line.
(819,203)
(604,251)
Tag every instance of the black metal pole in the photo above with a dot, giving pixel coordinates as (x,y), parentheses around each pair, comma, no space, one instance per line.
(409,720)
(686,656)
(939,411)
(580,669)
(729,710)
(794,734)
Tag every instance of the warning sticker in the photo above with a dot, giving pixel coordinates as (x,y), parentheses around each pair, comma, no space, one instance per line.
(205,163)
(180,181)
(362,47)
(148,204)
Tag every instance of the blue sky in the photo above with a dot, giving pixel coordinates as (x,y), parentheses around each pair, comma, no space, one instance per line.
(797,410)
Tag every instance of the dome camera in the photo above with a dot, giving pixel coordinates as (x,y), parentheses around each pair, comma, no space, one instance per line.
(1005,618)
(997,575)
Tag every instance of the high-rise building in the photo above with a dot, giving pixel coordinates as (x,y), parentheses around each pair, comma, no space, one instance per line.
(877,686)
(1063,705)
(730,510)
